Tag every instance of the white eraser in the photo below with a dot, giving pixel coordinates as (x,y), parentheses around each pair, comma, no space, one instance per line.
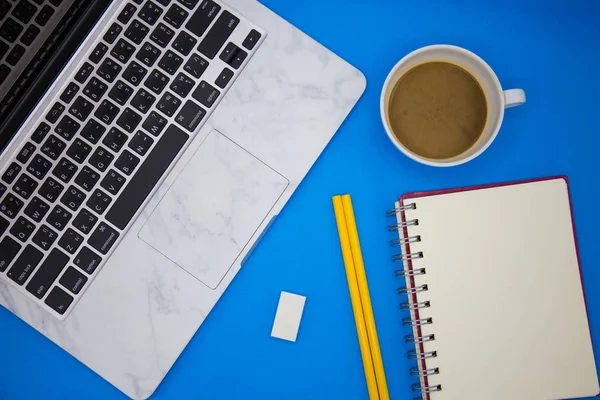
(288,316)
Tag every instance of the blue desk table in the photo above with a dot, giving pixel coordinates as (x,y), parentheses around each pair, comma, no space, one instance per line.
(550,49)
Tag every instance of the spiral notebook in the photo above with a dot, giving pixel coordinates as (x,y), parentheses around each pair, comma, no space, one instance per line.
(495,295)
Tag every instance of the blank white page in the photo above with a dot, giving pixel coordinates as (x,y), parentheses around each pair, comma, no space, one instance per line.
(507,302)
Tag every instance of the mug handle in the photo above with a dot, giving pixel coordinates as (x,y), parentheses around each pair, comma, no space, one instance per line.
(514,97)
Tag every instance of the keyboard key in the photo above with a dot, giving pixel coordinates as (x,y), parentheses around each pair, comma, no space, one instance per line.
(11,173)
(47,273)
(129,120)
(85,221)
(44,15)
(146,177)
(251,40)
(3,51)
(93,131)
(150,13)
(67,127)
(2,189)
(84,72)
(196,66)
(15,55)
(127,162)
(25,186)
(126,13)
(148,54)
(122,51)
(87,260)
(53,147)
(164,2)
(73,198)
(162,35)
(168,104)
(134,73)
(136,32)
(45,237)
(8,250)
(176,16)
(156,81)
(70,241)
(233,55)
(40,133)
(115,139)
(109,69)
(155,123)
(11,205)
(64,170)
(202,18)
(5,8)
(107,112)
(184,43)
(59,218)
(69,93)
(95,89)
(170,62)
(121,92)
(10,30)
(39,166)
(98,53)
(22,229)
(101,159)
(51,190)
(36,209)
(206,94)
(190,116)
(99,201)
(26,152)
(59,300)
(87,178)
(73,280)
(218,34)
(143,100)
(56,3)
(24,11)
(103,238)
(55,112)
(30,34)
(224,78)
(25,264)
(113,32)
(140,143)
(81,108)
(182,85)
(113,182)
(189,3)
(79,150)
(4,224)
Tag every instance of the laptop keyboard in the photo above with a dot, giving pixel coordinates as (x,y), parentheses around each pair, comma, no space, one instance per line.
(23,26)
(149,82)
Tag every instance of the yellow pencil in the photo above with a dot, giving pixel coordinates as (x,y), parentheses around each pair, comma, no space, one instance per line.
(355,299)
(365,297)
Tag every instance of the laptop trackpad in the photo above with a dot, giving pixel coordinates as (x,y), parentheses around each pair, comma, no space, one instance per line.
(212,210)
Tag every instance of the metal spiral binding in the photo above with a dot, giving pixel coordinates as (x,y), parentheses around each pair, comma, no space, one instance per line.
(416,322)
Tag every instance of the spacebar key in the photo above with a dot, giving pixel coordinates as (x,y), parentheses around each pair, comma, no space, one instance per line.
(146,177)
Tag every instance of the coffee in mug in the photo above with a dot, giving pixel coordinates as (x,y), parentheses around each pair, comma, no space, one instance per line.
(437,110)
(442,105)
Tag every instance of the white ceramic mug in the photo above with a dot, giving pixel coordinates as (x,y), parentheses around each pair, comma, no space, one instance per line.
(497,99)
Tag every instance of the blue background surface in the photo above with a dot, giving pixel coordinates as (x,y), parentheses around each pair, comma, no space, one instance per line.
(550,49)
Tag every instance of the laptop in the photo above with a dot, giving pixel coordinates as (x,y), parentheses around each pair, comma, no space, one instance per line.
(147,147)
